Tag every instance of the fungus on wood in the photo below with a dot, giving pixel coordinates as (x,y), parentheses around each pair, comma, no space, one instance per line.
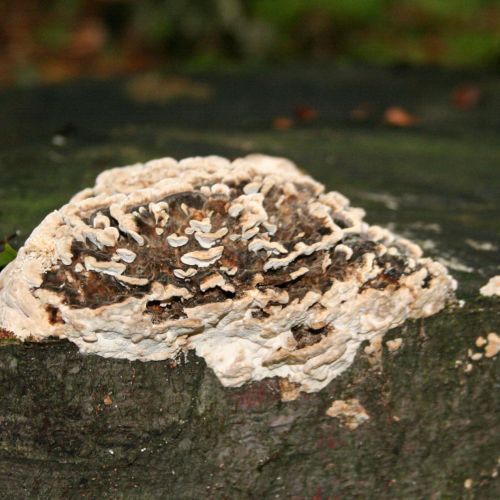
(491,288)
(250,263)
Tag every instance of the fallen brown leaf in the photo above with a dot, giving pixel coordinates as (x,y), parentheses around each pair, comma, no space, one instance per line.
(305,113)
(399,117)
(466,97)
(88,38)
(282,123)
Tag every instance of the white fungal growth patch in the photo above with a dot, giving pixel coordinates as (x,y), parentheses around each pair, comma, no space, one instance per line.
(493,345)
(229,271)
(107,267)
(165,293)
(131,280)
(126,255)
(491,288)
(482,246)
(63,250)
(250,263)
(350,413)
(204,226)
(202,258)
(180,273)
(216,280)
(175,240)
(208,240)
(298,273)
(101,221)
(273,247)
(252,187)
(347,251)
(395,344)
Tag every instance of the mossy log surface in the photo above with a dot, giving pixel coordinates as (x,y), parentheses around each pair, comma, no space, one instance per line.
(76,426)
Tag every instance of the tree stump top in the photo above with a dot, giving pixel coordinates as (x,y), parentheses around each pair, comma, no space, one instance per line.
(415,416)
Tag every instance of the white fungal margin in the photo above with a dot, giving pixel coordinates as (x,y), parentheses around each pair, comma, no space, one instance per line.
(203,258)
(175,240)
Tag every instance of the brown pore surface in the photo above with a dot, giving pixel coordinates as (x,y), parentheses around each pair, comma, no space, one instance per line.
(156,259)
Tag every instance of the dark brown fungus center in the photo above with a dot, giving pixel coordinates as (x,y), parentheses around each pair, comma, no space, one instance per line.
(156,260)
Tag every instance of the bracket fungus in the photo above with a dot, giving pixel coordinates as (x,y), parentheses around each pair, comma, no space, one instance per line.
(250,262)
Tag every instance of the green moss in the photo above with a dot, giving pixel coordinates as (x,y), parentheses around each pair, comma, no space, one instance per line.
(471,48)
(7,254)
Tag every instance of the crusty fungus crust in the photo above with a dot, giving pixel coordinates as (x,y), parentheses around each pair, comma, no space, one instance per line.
(250,262)
(491,288)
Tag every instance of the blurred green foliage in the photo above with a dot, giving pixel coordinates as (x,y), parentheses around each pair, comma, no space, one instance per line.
(55,39)
(7,254)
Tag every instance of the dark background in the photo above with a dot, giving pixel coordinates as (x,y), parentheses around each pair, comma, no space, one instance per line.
(54,40)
